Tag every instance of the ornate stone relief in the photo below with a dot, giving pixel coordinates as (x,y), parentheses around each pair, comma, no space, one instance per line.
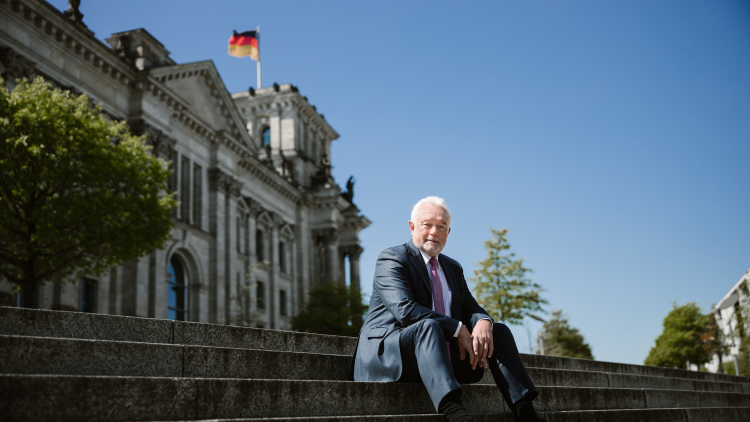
(351,250)
(220,180)
(325,236)
(16,66)
(73,13)
(278,221)
(163,145)
(254,207)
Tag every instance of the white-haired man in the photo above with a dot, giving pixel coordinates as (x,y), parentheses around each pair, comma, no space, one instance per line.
(423,323)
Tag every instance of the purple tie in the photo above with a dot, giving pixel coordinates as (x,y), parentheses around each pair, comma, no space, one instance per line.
(437,293)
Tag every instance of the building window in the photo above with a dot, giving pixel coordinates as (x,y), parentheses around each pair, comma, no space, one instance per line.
(260,295)
(197,196)
(185,190)
(88,295)
(282,302)
(177,296)
(259,243)
(266,136)
(282,257)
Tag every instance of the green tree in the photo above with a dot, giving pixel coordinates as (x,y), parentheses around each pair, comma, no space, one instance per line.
(560,339)
(712,339)
(741,332)
(743,358)
(78,193)
(501,285)
(331,308)
(680,341)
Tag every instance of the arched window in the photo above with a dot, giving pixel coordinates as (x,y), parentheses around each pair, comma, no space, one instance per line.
(177,296)
(266,136)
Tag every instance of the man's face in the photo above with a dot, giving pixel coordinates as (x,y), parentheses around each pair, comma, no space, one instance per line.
(430,231)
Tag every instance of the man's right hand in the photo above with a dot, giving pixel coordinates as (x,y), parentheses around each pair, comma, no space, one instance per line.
(465,346)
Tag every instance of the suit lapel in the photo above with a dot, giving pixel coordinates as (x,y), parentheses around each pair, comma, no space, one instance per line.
(416,257)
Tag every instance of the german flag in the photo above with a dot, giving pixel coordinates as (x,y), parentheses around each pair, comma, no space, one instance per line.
(244,44)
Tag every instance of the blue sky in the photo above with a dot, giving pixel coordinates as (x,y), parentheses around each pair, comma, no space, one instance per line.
(612,139)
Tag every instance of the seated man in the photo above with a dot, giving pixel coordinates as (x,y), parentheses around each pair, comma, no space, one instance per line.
(423,322)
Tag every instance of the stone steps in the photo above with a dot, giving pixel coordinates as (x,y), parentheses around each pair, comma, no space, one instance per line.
(82,398)
(76,325)
(706,414)
(48,355)
(84,367)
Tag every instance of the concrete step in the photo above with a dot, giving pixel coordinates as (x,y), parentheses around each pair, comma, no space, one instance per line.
(558,362)
(87,398)
(39,355)
(706,414)
(46,355)
(77,325)
(564,377)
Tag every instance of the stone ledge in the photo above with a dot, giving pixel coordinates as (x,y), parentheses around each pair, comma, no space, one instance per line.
(46,398)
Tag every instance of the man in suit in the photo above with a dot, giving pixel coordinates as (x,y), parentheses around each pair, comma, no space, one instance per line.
(424,325)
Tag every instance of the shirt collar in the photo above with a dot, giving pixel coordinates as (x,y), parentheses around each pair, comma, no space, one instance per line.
(427,258)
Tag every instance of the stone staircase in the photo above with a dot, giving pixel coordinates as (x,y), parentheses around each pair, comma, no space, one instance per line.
(69,366)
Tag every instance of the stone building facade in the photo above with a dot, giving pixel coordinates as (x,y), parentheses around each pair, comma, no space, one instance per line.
(260,221)
(732,315)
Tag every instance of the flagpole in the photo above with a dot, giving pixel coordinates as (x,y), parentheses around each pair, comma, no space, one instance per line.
(257,31)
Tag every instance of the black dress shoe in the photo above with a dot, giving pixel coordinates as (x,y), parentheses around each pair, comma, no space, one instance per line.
(525,412)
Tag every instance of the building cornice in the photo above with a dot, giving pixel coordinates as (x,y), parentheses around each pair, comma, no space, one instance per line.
(267,99)
(270,178)
(54,26)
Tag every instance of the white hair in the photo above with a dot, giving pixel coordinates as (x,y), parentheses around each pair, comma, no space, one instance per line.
(440,202)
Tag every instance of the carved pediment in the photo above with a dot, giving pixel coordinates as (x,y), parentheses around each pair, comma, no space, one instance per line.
(200,85)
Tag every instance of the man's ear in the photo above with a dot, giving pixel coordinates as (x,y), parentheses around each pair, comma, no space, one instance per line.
(411,225)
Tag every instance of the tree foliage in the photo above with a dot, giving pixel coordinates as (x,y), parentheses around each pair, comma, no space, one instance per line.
(332,308)
(501,285)
(681,338)
(560,339)
(743,359)
(740,334)
(77,192)
(712,339)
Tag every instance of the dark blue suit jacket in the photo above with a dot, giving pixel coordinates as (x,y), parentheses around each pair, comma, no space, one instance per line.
(402,296)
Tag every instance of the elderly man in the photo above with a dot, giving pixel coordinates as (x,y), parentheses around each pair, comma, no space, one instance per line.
(424,325)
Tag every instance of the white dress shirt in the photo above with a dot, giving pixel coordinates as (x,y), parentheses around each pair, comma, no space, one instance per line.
(447,293)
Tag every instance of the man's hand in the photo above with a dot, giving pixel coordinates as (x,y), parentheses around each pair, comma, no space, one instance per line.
(482,343)
(464,345)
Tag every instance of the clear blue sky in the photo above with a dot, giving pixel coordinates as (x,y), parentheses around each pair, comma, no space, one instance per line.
(611,138)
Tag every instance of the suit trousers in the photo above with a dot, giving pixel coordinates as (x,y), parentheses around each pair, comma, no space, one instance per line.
(424,358)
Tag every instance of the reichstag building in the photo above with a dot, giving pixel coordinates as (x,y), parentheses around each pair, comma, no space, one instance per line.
(261,220)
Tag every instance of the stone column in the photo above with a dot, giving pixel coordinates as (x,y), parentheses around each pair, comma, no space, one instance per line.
(222,187)
(328,240)
(342,266)
(273,293)
(332,256)
(304,251)
(234,188)
(296,283)
(252,227)
(354,267)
